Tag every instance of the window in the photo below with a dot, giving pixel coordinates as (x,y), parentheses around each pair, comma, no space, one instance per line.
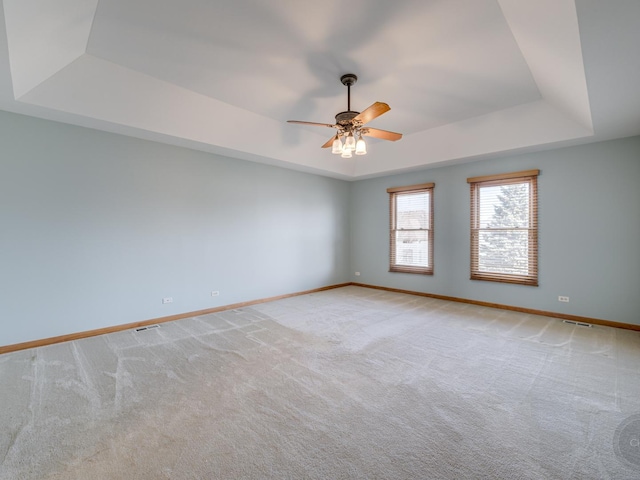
(411,229)
(504,228)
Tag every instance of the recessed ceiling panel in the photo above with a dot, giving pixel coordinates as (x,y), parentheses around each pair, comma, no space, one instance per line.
(434,62)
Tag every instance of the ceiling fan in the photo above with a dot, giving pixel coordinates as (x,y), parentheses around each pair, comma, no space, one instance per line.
(350,124)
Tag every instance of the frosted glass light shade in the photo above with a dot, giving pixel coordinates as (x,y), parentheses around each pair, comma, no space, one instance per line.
(361,147)
(336,148)
(350,143)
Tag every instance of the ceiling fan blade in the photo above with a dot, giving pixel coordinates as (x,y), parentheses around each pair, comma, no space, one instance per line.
(383,134)
(329,142)
(372,112)
(313,123)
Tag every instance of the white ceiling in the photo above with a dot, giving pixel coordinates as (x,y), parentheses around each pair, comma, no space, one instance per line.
(465,79)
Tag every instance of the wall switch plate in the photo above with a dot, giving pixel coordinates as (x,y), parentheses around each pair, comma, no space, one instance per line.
(167,300)
(357,274)
(563,299)
(215,293)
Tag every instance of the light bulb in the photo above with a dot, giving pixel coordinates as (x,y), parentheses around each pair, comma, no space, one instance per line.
(336,148)
(350,143)
(361,147)
(346,153)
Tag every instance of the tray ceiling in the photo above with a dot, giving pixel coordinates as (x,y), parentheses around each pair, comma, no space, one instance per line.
(465,79)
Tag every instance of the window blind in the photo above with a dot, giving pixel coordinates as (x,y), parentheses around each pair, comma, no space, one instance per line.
(504,228)
(411,229)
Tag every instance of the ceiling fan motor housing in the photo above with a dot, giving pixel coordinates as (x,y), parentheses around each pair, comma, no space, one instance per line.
(344,118)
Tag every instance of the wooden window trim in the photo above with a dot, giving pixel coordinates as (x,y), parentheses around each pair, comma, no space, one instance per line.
(393,191)
(504,179)
(411,188)
(504,176)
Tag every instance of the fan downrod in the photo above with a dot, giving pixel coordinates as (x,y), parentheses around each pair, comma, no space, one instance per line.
(347,79)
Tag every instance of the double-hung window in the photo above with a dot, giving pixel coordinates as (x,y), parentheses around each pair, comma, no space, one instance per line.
(411,229)
(504,228)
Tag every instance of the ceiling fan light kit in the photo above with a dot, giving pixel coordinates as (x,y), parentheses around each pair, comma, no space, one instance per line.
(350,124)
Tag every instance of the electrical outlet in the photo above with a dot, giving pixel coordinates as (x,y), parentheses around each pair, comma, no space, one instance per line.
(215,293)
(357,274)
(563,299)
(167,300)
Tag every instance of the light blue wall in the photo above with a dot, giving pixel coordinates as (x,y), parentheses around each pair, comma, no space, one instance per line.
(96,228)
(589,214)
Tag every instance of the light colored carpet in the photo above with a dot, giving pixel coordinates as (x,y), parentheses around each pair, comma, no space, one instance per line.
(344,384)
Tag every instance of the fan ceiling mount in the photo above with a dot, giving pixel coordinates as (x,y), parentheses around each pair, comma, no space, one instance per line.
(350,124)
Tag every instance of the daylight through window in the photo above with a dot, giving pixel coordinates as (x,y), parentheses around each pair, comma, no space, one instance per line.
(504,228)
(411,229)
